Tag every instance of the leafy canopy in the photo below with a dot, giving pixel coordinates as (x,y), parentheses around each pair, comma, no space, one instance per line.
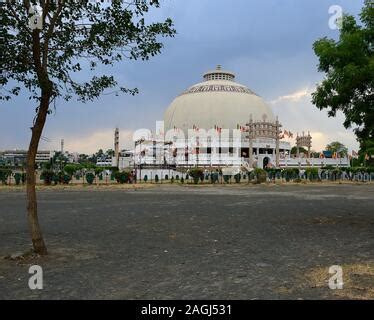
(75,35)
(301,150)
(337,147)
(349,67)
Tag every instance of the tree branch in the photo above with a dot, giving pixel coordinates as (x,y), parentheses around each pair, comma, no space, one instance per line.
(15,16)
(50,32)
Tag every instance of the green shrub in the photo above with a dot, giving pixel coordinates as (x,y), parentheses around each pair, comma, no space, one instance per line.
(290,173)
(270,172)
(66,179)
(122,176)
(4,174)
(56,178)
(311,173)
(226,178)
(237,178)
(197,174)
(172,180)
(251,176)
(273,173)
(328,167)
(337,173)
(17,178)
(47,166)
(71,169)
(182,180)
(47,176)
(214,177)
(145,178)
(90,177)
(260,175)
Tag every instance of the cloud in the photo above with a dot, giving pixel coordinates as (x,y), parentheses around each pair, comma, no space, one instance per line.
(322,139)
(295,96)
(298,114)
(103,139)
(319,140)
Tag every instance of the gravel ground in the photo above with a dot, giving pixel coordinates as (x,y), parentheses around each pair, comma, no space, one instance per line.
(187,242)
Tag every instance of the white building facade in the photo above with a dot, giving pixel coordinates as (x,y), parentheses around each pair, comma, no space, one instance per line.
(219,123)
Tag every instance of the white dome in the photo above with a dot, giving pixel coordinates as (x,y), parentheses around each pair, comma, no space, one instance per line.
(218,101)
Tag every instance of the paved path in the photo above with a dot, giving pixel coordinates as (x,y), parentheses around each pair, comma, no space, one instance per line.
(224,242)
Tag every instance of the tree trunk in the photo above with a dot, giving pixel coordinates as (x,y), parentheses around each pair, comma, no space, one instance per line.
(32,209)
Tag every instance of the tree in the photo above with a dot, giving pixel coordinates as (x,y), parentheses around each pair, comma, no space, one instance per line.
(366,153)
(315,154)
(45,43)
(59,160)
(99,154)
(337,147)
(301,149)
(349,67)
(82,158)
(71,169)
(110,153)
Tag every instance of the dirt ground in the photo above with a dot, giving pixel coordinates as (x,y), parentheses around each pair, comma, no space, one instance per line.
(192,242)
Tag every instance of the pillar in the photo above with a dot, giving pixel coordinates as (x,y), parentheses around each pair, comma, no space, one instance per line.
(277,144)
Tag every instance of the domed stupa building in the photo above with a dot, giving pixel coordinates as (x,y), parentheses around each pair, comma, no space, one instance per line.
(220,123)
(216,123)
(217,101)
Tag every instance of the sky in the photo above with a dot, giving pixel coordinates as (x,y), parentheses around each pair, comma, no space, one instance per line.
(266,43)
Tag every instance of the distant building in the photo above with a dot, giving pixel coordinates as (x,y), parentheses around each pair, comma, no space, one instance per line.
(104,162)
(72,157)
(125,159)
(19,157)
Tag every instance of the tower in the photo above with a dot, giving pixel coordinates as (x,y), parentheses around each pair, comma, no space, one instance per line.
(116,146)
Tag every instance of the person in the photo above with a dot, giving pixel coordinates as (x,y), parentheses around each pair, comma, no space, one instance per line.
(301,173)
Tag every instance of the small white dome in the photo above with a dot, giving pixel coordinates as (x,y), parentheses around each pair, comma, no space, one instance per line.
(218,101)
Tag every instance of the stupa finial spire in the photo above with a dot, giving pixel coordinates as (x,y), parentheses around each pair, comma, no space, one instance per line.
(219,74)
